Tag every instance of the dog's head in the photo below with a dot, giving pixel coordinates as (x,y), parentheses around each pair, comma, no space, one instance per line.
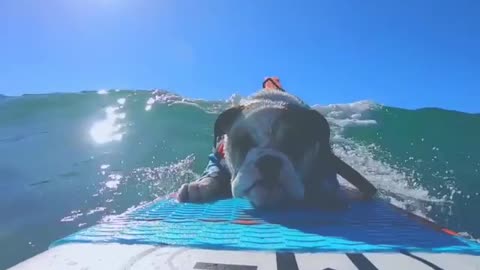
(273,146)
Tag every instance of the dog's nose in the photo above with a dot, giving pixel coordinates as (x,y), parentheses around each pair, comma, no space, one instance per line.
(269,167)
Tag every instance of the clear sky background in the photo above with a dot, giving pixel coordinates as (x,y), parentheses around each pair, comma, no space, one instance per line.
(409,53)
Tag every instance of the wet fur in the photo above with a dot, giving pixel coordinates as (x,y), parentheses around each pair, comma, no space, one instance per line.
(266,117)
(311,178)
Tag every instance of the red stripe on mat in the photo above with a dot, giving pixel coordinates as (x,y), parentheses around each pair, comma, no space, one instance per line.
(425,221)
(245,222)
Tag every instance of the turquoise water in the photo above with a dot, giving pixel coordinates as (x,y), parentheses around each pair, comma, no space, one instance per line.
(69,160)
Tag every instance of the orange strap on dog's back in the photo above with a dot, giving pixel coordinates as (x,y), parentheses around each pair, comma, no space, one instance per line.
(272,83)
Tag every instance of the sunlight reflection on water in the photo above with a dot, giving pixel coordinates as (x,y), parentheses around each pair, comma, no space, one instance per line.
(108,129)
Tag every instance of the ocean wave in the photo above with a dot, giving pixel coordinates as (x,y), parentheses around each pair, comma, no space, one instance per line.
(124,148)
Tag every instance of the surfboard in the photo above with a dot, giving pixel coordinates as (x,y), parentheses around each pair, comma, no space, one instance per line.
(231,234)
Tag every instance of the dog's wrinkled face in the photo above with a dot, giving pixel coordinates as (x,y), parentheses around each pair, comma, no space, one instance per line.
(271,150)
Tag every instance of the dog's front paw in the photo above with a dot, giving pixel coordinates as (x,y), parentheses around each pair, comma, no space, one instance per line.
(203,190)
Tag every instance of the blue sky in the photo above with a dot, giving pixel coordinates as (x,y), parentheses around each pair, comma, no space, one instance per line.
(411,53)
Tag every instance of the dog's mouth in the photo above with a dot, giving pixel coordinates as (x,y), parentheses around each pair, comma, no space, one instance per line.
(267,177)
(264,184)
(264,194)
(251,187)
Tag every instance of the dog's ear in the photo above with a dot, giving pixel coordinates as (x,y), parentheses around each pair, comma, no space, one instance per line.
(225,121)
(320,127)
(307,124)
(322,131)
(311,122)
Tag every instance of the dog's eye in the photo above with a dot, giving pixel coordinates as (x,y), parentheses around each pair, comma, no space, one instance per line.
(245,141)
(297,142)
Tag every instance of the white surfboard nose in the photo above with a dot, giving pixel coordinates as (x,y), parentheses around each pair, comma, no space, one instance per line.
(149,257)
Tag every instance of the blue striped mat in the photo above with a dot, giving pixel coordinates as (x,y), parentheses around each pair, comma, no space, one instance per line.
(233,224)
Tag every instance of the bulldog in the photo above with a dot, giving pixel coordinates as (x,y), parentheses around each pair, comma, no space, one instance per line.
(277,150)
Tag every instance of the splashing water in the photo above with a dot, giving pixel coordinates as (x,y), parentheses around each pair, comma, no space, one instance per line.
(395,184)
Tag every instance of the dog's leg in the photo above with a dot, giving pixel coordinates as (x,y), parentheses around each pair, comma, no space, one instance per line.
(324,191)
(355,178)
(205,189)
